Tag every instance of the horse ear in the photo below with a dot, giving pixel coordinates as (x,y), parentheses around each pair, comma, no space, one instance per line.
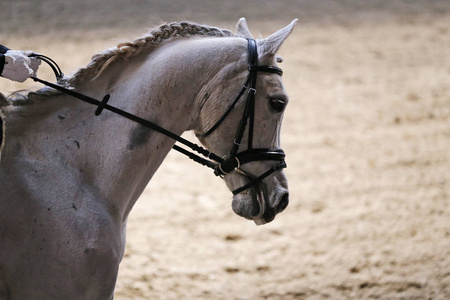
(269,46)
(242,29)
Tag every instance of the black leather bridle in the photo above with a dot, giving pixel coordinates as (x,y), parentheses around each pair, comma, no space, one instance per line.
(236,159)
(221,166)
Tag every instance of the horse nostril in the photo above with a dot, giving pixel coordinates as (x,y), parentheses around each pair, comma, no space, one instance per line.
(284,202)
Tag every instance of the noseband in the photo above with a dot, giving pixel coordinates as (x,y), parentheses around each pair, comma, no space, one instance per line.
(221,166)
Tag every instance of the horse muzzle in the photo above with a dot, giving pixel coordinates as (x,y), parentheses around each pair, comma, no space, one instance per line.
(260,198)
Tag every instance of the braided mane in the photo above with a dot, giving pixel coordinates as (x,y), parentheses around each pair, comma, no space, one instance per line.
(102,60)
(125,50)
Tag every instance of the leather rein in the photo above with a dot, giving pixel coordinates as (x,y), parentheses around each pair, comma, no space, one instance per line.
(221,166)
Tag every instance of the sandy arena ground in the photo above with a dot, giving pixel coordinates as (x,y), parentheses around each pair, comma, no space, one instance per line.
(367,134)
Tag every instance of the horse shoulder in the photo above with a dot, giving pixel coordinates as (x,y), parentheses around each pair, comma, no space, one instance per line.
(43,237)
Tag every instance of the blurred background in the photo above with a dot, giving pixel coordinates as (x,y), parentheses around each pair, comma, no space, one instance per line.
(367,134)
(32,17)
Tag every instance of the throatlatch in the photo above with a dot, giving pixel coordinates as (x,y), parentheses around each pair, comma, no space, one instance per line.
(221,166)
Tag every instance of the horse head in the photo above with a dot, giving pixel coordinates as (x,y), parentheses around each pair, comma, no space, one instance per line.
(247,133)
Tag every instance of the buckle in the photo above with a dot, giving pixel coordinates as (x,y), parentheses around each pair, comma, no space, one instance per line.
(228,161)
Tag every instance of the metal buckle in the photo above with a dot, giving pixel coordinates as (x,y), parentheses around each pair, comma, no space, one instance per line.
(234,170)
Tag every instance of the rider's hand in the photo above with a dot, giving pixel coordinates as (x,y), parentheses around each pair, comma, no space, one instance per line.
(19,66)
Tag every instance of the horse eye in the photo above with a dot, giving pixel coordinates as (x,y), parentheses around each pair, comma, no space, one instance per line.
(277,104)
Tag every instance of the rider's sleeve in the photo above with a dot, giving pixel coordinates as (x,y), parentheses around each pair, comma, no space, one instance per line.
(3,50)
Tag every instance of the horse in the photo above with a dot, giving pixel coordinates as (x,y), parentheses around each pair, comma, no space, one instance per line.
(69,179)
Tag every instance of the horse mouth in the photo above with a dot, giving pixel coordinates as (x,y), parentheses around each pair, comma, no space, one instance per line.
(269,213)
(254,205)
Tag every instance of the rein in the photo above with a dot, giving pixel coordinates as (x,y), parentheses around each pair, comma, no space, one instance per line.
(221,166)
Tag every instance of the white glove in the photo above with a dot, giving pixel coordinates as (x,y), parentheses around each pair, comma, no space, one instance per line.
(18,66)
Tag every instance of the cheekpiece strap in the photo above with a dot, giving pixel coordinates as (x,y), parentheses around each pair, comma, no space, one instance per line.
(252,52)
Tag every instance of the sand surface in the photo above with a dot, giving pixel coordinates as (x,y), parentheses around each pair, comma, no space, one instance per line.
(367,137)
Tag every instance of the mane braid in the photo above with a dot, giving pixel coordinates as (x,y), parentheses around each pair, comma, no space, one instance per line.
(130,49)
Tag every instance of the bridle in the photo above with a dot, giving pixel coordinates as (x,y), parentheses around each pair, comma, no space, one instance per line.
(236,159)
(221,166)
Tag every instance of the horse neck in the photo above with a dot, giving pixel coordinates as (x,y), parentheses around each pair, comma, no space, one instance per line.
(111,153)
(155,90)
